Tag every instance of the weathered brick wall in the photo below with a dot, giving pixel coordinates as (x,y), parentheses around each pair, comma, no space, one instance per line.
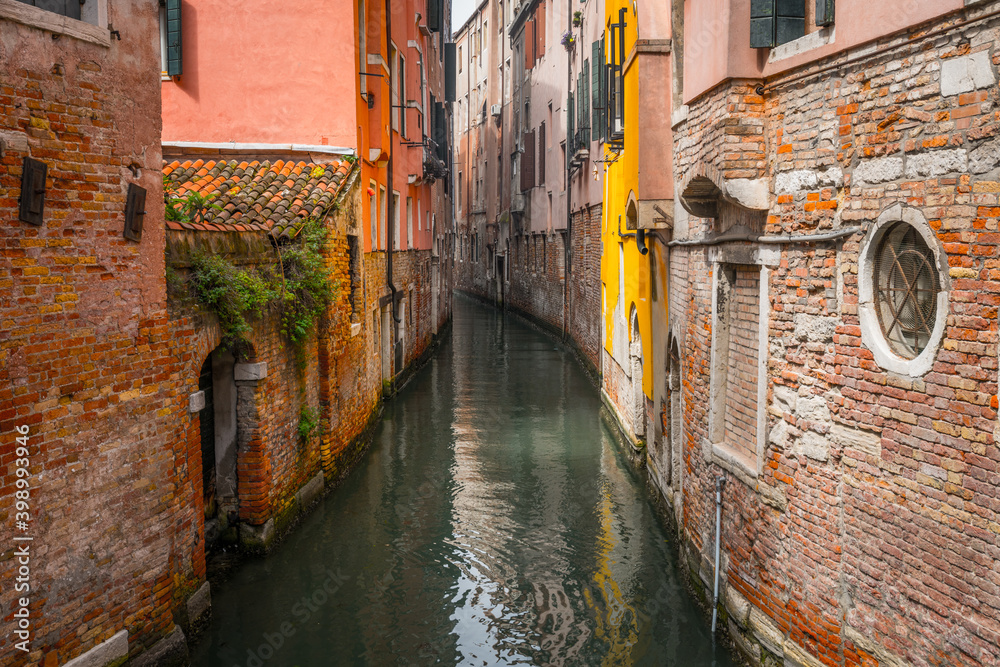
(86,357)
(585,283)
(871,535)
(741,362)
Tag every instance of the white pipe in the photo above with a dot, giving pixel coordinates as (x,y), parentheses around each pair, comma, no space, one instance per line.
(719,481)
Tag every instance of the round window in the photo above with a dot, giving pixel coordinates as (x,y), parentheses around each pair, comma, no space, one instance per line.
(906,283)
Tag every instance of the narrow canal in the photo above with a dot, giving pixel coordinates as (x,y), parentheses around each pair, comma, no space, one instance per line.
(493,522)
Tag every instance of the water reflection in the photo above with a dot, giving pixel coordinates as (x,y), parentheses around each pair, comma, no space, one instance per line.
(493,523)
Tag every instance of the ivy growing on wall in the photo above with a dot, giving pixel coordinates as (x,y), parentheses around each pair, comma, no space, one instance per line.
(296,287)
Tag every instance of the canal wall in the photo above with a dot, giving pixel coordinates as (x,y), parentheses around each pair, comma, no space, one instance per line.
(860,506)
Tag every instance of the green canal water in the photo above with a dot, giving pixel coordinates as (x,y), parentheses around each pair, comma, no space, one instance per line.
(493,522)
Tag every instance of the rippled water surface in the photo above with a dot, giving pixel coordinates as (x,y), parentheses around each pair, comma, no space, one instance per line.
(492,523)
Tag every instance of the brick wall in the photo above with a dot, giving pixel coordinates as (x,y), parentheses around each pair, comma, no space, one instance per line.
(870,535)
(741,361)
(87,361)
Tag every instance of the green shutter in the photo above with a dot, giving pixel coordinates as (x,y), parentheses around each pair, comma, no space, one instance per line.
(602,81)
(595,92)
(824,12)
(174,67)
(570,131)
(586,97)
(761,24)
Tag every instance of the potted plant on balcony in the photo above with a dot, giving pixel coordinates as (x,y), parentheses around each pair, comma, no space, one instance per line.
(577,19)
(568,40)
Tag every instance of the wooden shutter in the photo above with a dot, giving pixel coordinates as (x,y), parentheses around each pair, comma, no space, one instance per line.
(541,154)
(135,212)
(434,15)
(528,162)
(32,204)
(174,61)
(449,72)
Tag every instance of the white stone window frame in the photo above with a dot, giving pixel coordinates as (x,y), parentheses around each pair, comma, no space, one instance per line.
(871,330)
(721,453)
(92,26)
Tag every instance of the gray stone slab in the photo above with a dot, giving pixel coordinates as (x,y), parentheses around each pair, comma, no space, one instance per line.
(250,372)
(103,654)
(196,401)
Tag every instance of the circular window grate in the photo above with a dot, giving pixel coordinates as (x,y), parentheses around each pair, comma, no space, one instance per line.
(906,288)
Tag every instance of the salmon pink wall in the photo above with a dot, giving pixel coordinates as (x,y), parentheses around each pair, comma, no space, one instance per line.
(256,72)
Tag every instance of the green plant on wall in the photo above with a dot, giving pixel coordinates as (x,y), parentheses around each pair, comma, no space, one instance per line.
(306,288)
(297,287)
(308,422)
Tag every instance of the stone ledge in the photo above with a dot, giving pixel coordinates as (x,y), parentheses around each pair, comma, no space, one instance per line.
(199,605)
(171,651)
(309,492)
(111,652)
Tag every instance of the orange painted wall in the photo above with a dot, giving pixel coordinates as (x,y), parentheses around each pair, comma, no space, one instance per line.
(257,72)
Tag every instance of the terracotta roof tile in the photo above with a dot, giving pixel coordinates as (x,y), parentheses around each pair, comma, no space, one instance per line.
(263,196)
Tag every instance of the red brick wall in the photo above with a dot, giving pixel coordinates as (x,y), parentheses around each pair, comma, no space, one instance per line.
(87,360)
(871,534)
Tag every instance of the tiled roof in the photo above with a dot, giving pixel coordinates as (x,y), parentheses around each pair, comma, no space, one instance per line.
(261,196)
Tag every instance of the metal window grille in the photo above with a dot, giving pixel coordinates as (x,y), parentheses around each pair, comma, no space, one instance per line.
(906,288)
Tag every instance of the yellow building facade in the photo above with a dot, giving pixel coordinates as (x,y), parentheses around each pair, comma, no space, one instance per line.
(638,205)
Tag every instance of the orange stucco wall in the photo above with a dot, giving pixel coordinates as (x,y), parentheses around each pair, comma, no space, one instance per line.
(299,76)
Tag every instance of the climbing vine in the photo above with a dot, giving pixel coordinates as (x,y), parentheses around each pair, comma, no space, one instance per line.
(296,286)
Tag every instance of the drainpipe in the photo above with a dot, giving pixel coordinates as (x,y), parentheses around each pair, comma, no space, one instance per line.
(719,482)
(391,205)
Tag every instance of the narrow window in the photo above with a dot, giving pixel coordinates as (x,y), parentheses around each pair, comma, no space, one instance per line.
(409,222)
(382,218)
(373,209)
(395,220)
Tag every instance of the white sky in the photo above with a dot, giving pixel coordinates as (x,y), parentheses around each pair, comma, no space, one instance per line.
(461,10)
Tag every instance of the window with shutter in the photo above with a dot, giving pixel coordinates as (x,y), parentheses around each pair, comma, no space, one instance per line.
(528,162)
(174,63)
(541,154)
(449,72)
(434,15)
(529,44)
(571,127)
(70,8)
(775,22)
(585,92)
